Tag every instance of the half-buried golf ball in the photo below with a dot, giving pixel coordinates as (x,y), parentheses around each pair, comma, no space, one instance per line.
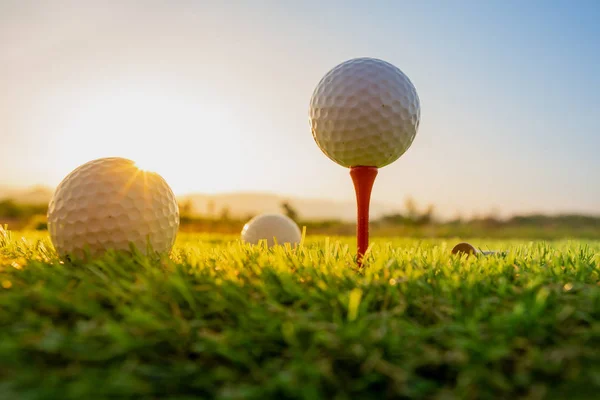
(274,228)
(110,203)
(364,112)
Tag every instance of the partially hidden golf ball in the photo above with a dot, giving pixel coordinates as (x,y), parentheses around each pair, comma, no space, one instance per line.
(364,112)
(110,203)
(469,249)
(274,228)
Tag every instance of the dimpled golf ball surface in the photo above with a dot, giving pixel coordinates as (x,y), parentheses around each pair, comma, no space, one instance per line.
(269,226)
(364,112)
(110,203)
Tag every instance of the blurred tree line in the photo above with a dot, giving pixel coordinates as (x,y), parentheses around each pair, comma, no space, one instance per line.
(10,209)
(413,221)
(417,221)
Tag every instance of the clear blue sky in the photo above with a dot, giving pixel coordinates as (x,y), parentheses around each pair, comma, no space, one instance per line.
(215,97)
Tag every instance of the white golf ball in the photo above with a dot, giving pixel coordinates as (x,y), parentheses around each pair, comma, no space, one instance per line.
(364,112)
(110,203)
(271,227)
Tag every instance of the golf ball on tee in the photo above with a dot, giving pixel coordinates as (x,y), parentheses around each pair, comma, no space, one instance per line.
(110,203)
(271,227)
(364,112)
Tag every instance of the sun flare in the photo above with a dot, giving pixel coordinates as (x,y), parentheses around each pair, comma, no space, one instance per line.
(165,133)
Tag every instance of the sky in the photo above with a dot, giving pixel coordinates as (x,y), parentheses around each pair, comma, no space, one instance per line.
(214,96)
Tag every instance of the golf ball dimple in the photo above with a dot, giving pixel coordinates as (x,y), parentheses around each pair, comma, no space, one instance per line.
(364,112)
(110,203)
(272,228)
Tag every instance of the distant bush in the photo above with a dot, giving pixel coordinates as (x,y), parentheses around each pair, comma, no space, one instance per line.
(38,223)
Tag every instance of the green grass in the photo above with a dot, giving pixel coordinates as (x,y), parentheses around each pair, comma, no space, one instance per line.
(223,320)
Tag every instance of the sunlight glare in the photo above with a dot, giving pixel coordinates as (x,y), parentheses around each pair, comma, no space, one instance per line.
(169,134)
